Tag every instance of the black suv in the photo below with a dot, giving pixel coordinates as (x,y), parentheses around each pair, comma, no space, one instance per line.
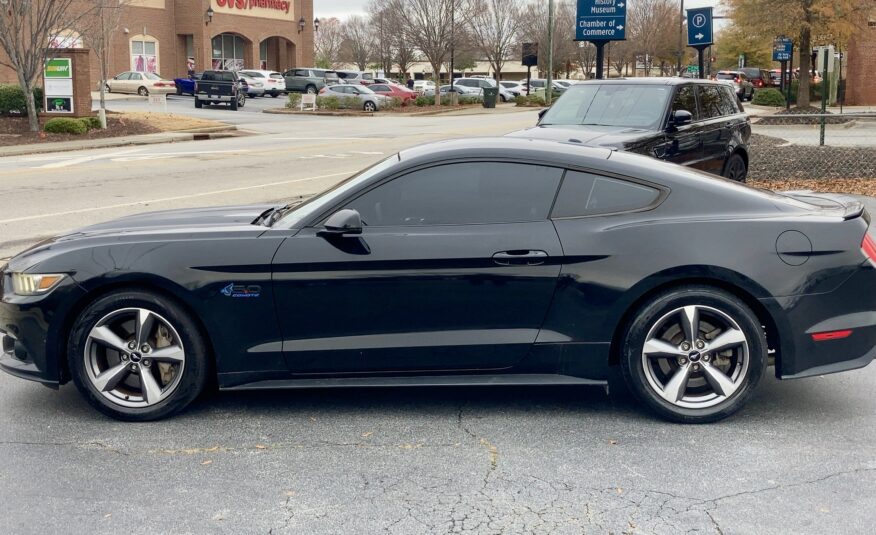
(697,123)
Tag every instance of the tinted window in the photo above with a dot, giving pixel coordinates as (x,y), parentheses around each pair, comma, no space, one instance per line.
(710,101)
(380,87)
(685,100)
(585,194)
(124,76)
(630,105)
(729,101)
(464,193)
(318,73)
(300,72)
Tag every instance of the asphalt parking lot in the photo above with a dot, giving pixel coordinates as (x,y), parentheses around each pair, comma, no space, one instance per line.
(799,458)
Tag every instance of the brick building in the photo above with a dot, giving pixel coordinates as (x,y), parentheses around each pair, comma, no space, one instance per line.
(861,70)
(172,36)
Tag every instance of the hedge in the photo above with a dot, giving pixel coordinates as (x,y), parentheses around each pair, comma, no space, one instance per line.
(769,97)
(12,99)
(66,125)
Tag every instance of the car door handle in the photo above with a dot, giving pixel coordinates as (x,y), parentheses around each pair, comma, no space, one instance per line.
(520,257)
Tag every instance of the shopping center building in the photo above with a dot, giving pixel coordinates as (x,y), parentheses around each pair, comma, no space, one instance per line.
(171,37)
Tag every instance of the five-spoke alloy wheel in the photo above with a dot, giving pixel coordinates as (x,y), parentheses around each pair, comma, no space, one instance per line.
(137,356)
(694,354)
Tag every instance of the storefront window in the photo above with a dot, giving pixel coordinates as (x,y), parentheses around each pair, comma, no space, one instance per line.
(144,54)
(190,53)
(228,52)
(263,55)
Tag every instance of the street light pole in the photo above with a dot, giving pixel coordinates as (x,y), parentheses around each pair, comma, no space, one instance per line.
(680,37)
(549,82)
(452,90)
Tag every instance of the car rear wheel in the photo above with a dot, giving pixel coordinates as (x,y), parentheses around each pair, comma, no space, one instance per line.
(735,168)
(179,90)
(198,102)
(694,354)
(310,90)
(143,92)
(369,106)
(137,356)
(275,94)
(108,88)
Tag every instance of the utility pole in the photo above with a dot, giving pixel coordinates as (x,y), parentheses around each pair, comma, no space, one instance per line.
(452,91)
(680,37)
(549,82)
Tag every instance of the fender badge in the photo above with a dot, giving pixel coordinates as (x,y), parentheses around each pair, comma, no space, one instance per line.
(241,290)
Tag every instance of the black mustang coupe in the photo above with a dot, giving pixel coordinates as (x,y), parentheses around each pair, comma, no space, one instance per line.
(480,261)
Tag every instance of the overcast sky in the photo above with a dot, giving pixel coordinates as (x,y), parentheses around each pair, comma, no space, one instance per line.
(344,8)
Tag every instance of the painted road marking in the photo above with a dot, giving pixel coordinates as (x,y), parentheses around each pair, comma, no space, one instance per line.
(86,159)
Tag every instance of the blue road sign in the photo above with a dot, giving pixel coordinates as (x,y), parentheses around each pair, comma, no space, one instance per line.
(699,26)
(601,20)
(782,49)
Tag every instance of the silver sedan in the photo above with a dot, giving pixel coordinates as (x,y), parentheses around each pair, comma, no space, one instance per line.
(368,99)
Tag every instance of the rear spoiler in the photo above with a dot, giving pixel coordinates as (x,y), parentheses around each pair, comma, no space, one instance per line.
(842,205)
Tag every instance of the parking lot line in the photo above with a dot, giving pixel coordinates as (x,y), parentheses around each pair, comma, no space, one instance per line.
(175,198)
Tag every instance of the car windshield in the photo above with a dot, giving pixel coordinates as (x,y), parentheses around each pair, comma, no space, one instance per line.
(632,106)
(152,76)
(276,75)
(314,205)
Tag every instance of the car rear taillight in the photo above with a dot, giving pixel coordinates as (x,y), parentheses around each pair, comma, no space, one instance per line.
(736,80)
(868,247)
(323,90)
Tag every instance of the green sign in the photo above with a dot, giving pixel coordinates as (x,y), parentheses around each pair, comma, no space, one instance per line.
(59,68)
(693,68)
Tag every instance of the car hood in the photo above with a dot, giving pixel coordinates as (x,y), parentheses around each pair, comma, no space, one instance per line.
(166,224)
(618,137)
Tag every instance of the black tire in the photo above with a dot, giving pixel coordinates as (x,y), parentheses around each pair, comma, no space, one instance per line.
(194,375)
(310,89)
(241,100)
(369,106)
(275,94)
(652,312)
(735,168)
(179,91)
(235,102)
(108,88)
(198,102)
(143,92)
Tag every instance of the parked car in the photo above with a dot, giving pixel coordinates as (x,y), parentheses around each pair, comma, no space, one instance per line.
(368,99)
(308,80)
(758,77)
(273,81)
(744,89)
(460,90)
(186,85)
(479,84)
(141,83)
(515,88)
(391,90)
(420,86)
(356,77)
(696,123)
(251,86)
(776,77)
(220,87)
(540,83)
(463,262)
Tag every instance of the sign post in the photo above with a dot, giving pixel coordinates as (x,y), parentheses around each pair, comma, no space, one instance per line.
(529,60)
(601,21)
(783,50)
(58,75)
(699,32)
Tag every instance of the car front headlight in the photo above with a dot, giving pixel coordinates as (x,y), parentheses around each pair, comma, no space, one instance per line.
(26,284)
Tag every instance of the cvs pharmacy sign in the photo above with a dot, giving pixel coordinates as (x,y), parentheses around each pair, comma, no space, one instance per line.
(277,5)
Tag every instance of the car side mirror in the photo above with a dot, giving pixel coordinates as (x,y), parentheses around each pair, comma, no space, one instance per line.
(541,113)
(355,91)
(681,118)
(346,221)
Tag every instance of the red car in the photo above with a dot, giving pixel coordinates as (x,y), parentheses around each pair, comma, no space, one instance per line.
(394,90)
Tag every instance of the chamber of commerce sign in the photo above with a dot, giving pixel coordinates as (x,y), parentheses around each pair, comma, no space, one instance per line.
(601,20)
(247,5)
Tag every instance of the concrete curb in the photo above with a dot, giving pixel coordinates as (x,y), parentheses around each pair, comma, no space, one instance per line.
(196,134)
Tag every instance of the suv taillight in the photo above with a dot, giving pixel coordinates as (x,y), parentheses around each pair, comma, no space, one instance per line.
(868,247)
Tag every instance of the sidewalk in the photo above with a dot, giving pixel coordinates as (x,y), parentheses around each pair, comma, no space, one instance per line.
(122,141)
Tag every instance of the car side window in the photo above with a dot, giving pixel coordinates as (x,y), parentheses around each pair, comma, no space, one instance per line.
(379,87)
(586,194)
(462,194)
(136,76)
(710,102)
(300,72)
(729,101)
(685,99)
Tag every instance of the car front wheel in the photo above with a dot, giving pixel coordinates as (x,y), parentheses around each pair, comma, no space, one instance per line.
(694,354)
(143,92)
(137,356)
(369,106)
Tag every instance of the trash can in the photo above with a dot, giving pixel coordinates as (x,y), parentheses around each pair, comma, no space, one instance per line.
(490,96)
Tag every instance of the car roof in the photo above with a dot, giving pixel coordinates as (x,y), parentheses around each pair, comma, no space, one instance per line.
(657,80)
(505,147)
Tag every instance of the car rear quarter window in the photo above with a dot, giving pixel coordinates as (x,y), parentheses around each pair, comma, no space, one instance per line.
(586,194)
(379,87)
(729,101)
(685,99)
(462,194)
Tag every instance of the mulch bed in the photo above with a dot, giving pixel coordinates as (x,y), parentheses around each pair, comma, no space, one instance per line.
(14,131)
(774,159)
(786,117)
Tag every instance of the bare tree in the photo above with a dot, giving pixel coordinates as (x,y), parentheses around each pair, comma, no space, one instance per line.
(380,18)
(535,29)
(495,29)
(358,41)
(405,54)
(27,28)
(652,27)
(428,24)
(97,33)
(328,43)
(586,57)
